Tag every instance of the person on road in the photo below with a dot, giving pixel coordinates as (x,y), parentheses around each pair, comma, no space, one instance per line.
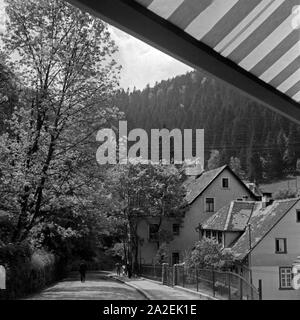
(129,272)
(82,271)
(118,268)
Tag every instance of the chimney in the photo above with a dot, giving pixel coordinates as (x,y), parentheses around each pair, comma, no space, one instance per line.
(194,170)
(267,200)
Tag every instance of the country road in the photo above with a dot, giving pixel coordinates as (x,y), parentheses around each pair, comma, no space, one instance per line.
(96,287)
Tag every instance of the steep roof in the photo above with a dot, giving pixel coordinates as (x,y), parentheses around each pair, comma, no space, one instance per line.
(233,217)
(262,221)
(254,188)
(197,186)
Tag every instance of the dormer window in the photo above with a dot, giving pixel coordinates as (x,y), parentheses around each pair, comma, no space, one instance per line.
(225,183)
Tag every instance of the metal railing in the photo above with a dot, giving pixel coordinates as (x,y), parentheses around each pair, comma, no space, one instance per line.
(153,272)
(220,284)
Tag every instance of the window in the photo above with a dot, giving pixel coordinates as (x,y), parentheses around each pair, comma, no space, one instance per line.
(298,215)
(153,232)
(220,237)
(225,183)
(280,245)
(207,233)
(176,228)
(175,257)
(214,235)
(209,204)
(285,277)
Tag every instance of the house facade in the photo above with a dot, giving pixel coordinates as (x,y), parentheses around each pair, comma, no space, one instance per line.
(205,195)
(265,238)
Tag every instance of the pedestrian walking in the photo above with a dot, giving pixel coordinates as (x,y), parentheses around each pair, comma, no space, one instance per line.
(118,268)
(82,271)
(129,272)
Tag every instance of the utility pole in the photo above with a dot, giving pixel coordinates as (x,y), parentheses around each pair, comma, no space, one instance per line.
(249,255)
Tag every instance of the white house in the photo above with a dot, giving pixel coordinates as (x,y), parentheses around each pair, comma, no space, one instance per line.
(265,237)
(206,194)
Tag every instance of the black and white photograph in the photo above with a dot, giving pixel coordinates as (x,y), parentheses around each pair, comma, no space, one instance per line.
(149,150)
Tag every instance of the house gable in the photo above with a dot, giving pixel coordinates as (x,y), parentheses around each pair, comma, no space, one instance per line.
(197,187)
(262,222)
(287,228)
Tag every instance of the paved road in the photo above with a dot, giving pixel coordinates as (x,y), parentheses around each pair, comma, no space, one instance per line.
(154,290)
(96,287)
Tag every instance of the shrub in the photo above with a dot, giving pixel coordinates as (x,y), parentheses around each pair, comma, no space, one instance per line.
(285,194)
(27,271)
(208,253)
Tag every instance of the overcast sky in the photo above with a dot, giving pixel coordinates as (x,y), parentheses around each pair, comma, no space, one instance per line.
(141,64)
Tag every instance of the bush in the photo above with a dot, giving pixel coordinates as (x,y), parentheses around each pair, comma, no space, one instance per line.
(208,253)
(285,194)
(27,271)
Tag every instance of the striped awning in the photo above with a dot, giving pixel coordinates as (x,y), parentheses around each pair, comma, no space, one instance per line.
(261,36)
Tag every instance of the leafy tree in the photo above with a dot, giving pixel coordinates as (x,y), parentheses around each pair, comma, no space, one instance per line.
(235,165)
(234,124)
(208,253)
(162,254)
(290,155)
(141,192)
(8,93)
(214,160)
(285,194)
(64,62)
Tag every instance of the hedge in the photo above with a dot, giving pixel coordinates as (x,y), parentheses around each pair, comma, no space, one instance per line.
(27,271)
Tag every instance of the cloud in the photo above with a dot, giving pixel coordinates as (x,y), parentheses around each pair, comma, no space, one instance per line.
(143,64)
(296,17)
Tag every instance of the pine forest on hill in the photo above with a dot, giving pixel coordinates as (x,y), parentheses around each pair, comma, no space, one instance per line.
(258,143)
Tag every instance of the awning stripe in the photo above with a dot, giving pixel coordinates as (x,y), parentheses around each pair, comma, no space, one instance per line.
(275,54)
(145,3)
(277,36)
(297,98)
(281,63)
(188,11)
(258,35)
(229,21)
(294,90)
(241,26)
(290,69)
(164,8)
(206,20)
(254,25)
(289,82)
(271,20)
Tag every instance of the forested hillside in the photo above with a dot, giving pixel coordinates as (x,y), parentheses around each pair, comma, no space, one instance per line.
(259,144)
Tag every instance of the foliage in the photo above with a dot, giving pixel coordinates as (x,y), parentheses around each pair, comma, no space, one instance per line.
(208,253)
(162,254)
(139,191)
(285,194)
(234,124)
(63,59)
(27,271)
(8,93)
(236,167)
(215,160)
(118,250)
